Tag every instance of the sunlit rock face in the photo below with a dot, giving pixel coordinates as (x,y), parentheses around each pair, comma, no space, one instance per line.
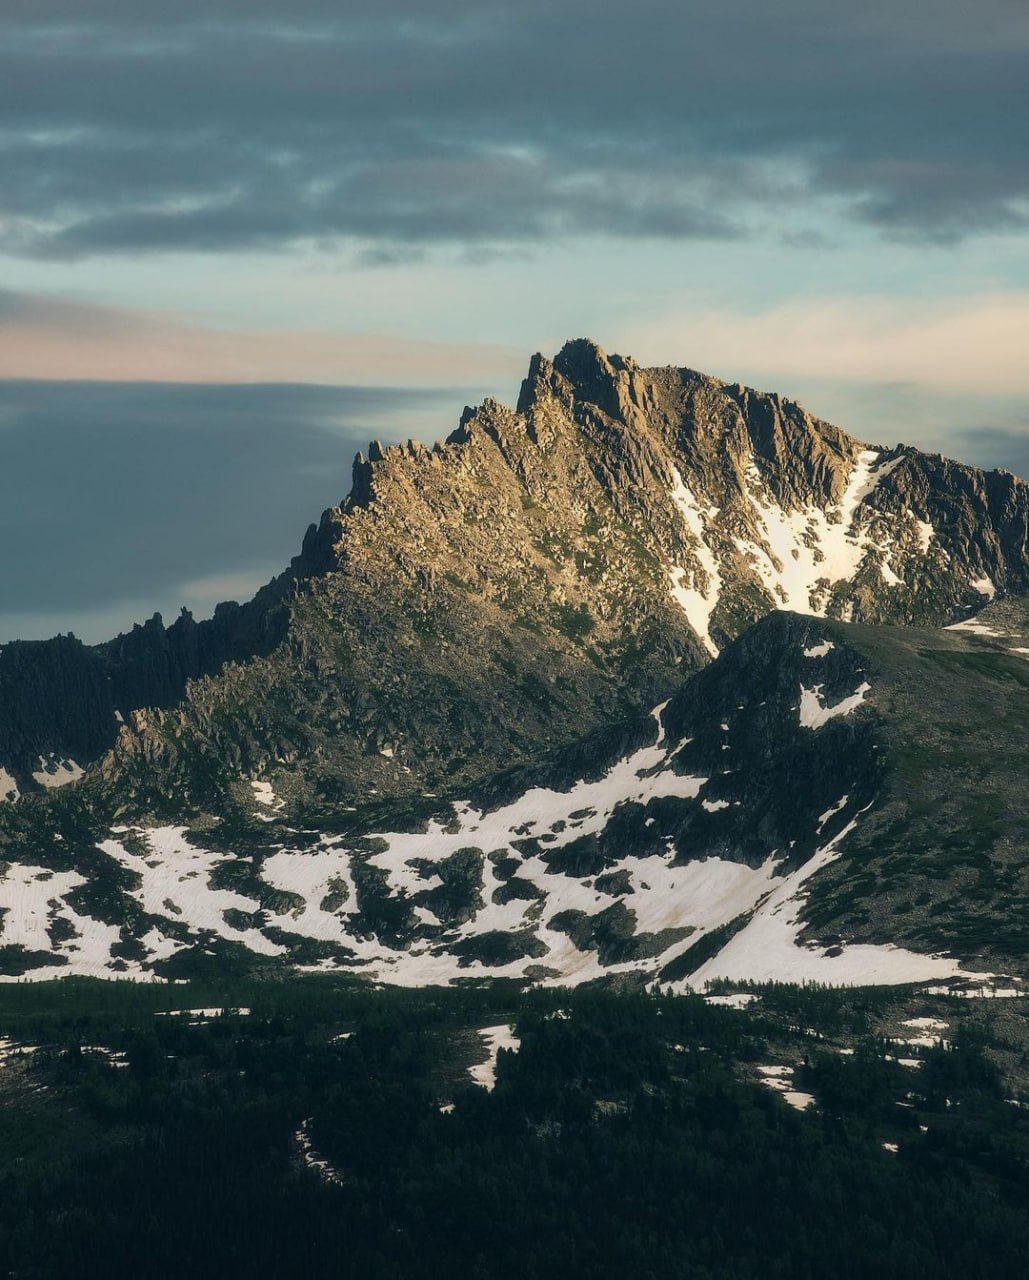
(541,572)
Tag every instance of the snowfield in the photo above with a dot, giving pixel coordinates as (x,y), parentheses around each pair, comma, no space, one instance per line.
(797,555)
(768,949)
(667,863)
(56,773)
(780,1079)
(314,893)
(697,601)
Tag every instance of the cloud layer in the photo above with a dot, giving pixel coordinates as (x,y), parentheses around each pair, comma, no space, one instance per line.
(971,344)
(117,499)
(399,126)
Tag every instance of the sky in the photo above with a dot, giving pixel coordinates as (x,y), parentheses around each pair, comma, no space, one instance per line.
(239,238)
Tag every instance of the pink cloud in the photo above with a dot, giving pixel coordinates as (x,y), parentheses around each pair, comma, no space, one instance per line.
(56,338)
(958,344)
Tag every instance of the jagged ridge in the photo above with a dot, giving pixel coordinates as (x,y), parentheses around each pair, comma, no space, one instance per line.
(545,570)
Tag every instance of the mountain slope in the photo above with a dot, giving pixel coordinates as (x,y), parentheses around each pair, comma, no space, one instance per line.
(833,801)
(541,573)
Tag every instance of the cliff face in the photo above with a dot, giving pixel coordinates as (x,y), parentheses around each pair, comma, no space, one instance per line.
(541,572)
(739,502)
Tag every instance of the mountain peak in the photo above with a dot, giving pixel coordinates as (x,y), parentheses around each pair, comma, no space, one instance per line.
(581,359)
(615,531)
(583,369)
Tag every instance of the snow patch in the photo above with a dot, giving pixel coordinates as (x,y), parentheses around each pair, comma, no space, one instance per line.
(813,712)
(175,883)
(925,533)
(926,1024)
(266,797)
(56,773)
(974,625)
(113,1057)
(919,1041)
(203,1013)
(697,602)
(496,1038)
(979,991)
(767,948)
(737,1000)
(779,1078)
(831,812)
(657,713)
(310,1157)
(264,794)
(802,553)
(31,899)
(14,1049)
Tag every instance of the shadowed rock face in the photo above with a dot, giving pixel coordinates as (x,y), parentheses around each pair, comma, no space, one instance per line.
(65,700)
(540,573)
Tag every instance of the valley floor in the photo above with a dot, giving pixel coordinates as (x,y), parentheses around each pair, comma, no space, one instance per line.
(310,1126)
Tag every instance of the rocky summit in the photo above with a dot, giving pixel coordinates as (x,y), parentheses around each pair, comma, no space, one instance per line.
(652,679)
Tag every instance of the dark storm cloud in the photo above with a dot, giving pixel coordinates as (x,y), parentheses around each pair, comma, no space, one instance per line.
(136,126)
(113,493)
